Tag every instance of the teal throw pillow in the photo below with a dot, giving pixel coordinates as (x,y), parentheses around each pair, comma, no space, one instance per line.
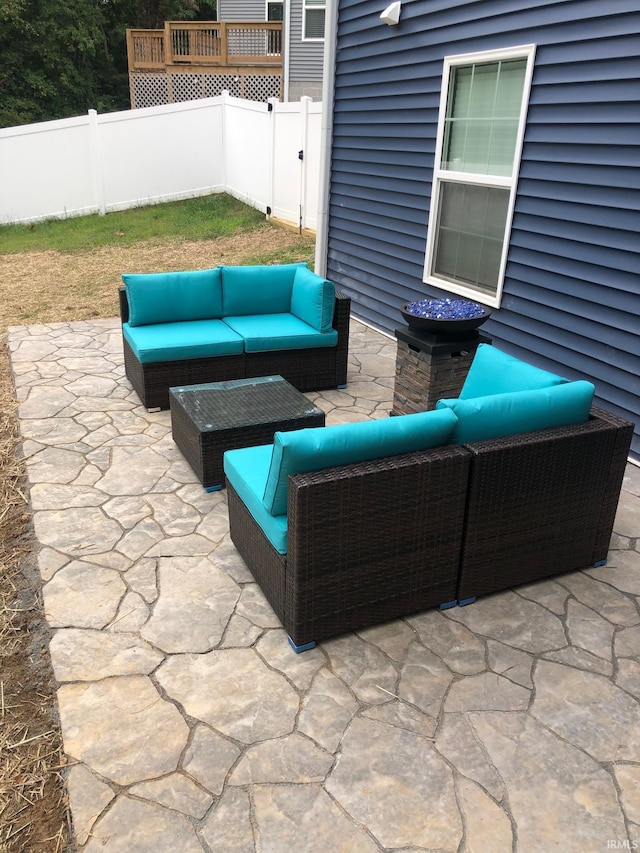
(168,297)
(323,447)
(313,299)
(495,372)
(261,289)
(499,415)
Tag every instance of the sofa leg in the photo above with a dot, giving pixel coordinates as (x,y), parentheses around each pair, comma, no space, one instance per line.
(447,605)
(599,563)
(303,648)
(154,409)
(213,488)
(464,601)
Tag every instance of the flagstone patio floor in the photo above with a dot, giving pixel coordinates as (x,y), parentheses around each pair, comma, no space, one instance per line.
(189,725)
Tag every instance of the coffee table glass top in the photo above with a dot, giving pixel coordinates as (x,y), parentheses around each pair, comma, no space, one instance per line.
(222,405)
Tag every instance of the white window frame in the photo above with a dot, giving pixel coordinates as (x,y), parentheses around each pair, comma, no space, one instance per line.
(441,175)
(316,6)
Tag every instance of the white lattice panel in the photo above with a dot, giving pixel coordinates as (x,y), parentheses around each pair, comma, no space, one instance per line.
(186,87)
(152,89)
(148,90)
(261,87)
(215,84)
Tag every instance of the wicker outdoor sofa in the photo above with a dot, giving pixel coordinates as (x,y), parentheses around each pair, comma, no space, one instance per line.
(383,538)
(192,327)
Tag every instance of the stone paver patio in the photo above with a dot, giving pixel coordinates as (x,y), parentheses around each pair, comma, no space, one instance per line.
(189,724)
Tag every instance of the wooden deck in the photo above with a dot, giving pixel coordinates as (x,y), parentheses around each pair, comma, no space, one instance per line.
(221,44)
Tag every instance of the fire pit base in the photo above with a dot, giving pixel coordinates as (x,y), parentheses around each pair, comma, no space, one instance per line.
(429,367)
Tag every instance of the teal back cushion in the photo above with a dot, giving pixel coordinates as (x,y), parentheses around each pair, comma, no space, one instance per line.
(313,299)
(494,372)
(258,289)
(168,297)
(499,415)
(323,447)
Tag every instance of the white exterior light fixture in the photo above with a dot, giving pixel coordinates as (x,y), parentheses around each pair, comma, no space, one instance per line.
(391,14)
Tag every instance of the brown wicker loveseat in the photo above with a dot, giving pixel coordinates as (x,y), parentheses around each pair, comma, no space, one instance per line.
(278,319)
(379,539)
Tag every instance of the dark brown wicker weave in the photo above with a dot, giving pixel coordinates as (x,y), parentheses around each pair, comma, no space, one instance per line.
(207,420)
(379,540)
(542,503)
(367,542)
(307,370)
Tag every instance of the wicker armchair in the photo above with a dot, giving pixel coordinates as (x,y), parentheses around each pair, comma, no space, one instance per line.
(367,542)
(542,503)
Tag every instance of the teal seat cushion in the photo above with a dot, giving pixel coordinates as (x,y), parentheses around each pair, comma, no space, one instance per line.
(495,372)
(168,297)
(175,341)
(323,447)
(263,289)
(499,415)
(268,332)
(246,469)
(313,299)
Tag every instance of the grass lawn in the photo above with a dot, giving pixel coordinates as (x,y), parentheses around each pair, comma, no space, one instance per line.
(203,218)
(70,269)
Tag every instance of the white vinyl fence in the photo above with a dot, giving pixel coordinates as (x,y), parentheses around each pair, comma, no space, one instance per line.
(265,154)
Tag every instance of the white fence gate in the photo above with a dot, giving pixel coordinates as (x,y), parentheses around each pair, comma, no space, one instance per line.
(265,154)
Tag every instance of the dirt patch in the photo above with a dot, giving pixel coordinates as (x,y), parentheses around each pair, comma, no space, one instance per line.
(47,287)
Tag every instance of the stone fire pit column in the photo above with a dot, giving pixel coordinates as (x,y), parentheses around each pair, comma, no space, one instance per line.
(431,366)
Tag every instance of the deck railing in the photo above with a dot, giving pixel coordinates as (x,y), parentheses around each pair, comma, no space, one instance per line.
(217,43)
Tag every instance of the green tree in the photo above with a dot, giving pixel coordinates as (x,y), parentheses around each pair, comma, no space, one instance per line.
(60,58)
(151,14)
(47,49)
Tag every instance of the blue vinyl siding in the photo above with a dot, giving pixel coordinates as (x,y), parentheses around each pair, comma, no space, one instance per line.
(571,300)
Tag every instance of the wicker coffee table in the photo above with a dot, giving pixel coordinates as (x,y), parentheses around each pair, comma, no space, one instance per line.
(208,419)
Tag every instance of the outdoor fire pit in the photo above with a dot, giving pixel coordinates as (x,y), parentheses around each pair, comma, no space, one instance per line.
(444,316)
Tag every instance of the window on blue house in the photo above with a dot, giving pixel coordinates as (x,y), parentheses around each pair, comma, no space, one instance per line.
(482,118)
(313,26)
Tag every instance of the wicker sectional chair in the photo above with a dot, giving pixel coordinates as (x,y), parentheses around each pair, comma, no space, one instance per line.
(380,539)
(541,503)
(307,367)
(355,557)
